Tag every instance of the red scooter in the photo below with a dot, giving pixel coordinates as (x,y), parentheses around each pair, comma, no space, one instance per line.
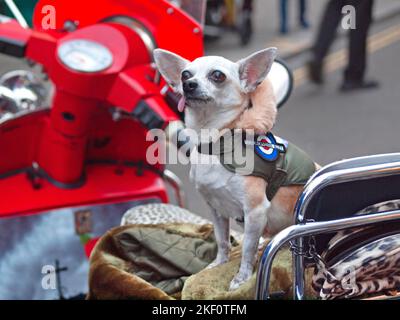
(70,170)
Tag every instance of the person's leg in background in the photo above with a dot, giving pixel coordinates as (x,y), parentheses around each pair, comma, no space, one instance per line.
(248,5)
(355,71)
(283,7)
(303,14)
(246,22)
(326,35)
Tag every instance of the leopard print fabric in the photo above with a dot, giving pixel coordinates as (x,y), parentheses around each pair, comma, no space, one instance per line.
(372,269)
(159,213)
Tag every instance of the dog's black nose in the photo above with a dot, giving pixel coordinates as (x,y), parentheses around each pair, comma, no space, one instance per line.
(190,86)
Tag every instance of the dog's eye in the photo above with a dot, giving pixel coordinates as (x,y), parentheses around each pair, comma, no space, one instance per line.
(186,75)
(218,76)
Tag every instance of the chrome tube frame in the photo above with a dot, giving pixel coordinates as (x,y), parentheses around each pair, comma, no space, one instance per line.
(302,228)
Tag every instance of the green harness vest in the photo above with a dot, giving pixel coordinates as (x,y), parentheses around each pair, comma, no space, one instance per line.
(289,166)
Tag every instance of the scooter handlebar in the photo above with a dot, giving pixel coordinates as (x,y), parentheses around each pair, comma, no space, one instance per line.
(13,37)
(132,90)
(137,95)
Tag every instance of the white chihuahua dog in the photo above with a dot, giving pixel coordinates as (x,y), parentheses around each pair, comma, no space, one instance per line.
(217,94)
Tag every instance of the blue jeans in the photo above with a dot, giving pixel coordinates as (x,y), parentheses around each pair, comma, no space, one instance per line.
(284,14)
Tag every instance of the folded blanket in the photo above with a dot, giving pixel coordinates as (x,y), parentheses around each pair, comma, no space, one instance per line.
(149,261)
(158,261)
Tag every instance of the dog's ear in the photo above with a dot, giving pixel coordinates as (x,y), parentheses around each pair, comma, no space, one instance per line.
(254,69)
(170,66)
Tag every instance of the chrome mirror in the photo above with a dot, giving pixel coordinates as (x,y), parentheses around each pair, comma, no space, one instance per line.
(21,90)
(195,8)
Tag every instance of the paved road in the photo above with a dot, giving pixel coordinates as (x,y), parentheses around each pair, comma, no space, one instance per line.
(266,22)
(332,126)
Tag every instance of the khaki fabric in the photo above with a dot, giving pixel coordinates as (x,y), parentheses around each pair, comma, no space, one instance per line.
(149,261)
(294,167)
(163,257)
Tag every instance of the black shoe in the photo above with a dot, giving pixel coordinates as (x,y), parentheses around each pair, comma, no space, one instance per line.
(357,85)
(315,72)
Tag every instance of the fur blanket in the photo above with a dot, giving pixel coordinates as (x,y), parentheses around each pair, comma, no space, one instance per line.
(213,284)
(167,261)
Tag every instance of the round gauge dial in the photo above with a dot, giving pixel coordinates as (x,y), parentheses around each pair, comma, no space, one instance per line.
(85,55)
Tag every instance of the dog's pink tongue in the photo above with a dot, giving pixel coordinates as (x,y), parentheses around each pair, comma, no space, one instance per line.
(182,104)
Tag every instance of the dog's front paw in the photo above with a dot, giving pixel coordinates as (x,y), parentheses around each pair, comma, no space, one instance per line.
(213,264)
(240,278)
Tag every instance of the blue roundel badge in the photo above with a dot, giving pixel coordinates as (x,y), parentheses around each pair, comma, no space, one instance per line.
(266,147)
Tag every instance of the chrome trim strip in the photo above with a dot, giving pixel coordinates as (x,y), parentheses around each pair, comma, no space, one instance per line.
(302,230)
(291,82)
(178,187)
(336,163)
(339,176)
(298,276)
(139,28)
(143,33)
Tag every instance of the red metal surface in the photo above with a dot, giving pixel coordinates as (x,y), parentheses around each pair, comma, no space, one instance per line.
(89,246)
(103,186)
(168,28)
(13,31)
(67,151)
(108,141)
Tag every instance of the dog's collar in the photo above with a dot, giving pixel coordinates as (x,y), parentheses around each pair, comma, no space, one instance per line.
(224,143)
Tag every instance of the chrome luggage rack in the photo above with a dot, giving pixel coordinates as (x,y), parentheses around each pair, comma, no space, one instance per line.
(351,185)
